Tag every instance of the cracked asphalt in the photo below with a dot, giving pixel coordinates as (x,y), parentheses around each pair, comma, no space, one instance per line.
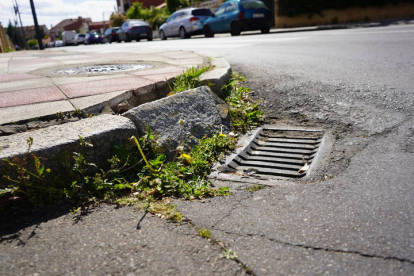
(353,217)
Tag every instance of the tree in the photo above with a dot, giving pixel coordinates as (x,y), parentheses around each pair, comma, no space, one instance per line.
(135,11)
(173,5)
(15,35)
(116,19)
(155,17)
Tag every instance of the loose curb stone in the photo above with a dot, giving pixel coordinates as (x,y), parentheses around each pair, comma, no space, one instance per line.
(56,143)
(200,109)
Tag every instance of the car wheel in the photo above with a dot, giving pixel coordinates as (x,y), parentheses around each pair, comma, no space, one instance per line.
(150,38)
(235,29)
(127,38)
(265,30)
(183,33)
(162,35)
(138,39)
(208,32)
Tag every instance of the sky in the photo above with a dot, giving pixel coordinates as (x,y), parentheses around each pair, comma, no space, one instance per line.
(51,12)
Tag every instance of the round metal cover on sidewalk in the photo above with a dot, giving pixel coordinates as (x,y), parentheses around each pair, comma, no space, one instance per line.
(103,68)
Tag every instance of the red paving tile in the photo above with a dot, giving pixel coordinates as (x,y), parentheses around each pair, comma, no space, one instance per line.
(23,61)
(81,89)
(30,96)
(15,77)
(157,71)
(161,77)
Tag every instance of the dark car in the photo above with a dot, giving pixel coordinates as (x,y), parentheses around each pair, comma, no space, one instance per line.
(134,29)
(110,35)
(236,16)
(185,23)
(93,38)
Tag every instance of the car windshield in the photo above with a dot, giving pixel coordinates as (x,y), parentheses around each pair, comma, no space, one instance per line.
(201,12)
(81,35)
(253,4)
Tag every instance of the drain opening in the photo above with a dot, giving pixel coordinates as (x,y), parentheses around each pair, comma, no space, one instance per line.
(276,153)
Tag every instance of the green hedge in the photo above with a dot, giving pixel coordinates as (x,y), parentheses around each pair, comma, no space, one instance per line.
(296,7)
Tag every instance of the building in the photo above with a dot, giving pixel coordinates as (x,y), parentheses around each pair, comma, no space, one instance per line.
(79,25)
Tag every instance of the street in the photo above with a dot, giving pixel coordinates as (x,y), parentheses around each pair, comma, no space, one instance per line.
(356,217)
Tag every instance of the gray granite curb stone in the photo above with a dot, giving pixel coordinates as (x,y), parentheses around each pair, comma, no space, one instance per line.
(219,76)
(186,116)
(56,144)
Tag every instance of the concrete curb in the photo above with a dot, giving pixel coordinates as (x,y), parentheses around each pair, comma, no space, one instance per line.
(53,143)
(219,76)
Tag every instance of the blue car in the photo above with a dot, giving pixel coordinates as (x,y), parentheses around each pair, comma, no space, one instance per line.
(236,16)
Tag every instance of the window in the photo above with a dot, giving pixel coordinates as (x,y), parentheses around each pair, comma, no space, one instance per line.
(201,12)
(232,6)
(253,4)
(220,10)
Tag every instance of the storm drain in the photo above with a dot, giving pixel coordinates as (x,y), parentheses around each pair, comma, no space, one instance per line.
(104,68)
(276,153)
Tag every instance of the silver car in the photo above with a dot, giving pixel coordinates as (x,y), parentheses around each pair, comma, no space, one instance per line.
(80,39)
(185,23)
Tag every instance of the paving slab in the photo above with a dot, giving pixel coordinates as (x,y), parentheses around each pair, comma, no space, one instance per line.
(18,85)
(16,77)
(74,90)
(31,96)
(32,111)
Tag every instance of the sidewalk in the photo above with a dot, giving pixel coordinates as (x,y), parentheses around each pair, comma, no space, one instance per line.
(37,84)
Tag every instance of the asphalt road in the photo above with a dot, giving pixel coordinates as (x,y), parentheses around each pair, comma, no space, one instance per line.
(354,217)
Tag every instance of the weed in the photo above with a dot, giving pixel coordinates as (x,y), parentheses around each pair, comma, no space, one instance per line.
(187,80)
(78,113)
(60,116)
(228,254)
(254,188)
(204,233)
(29,180)
(245,113)
(161,208)
(74,211)
(126,201)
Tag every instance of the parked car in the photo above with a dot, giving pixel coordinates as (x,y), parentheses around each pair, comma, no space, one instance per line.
(184,23)
(58,43)
(134,29)
(93,38)
(236,16)
(68,38)
(80,39)
(110,35)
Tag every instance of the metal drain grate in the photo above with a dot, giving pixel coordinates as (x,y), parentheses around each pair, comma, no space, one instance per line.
(279,153)
(104,68)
